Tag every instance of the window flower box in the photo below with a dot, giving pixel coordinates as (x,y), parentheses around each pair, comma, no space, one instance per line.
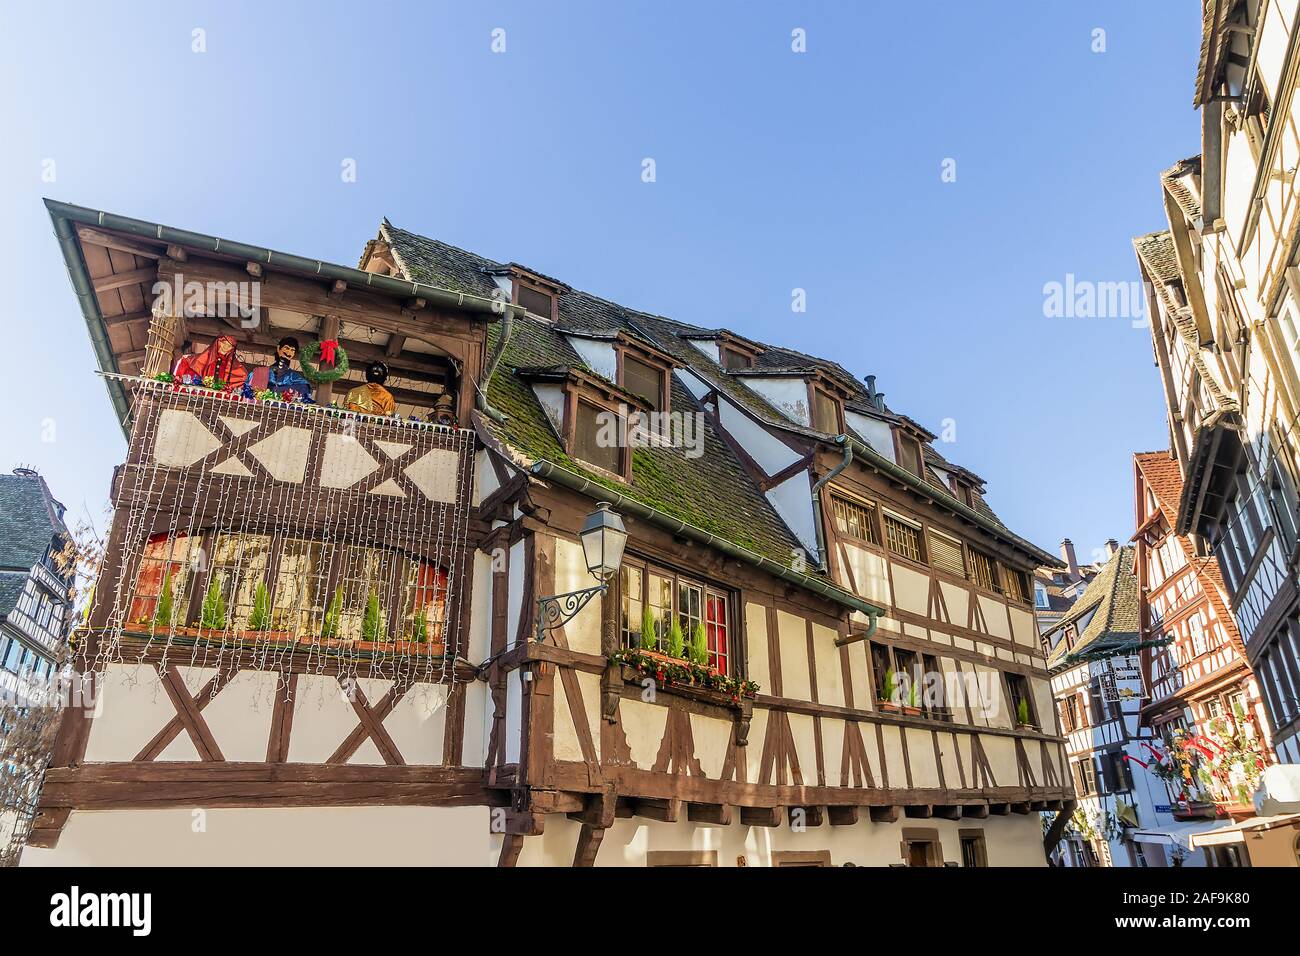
(683,675)
(1234,809)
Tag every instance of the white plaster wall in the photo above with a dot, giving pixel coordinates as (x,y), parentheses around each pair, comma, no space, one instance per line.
(787,394)
(315,836)
(874,432)
(770,452)
(485,477)
(551,397)
(1013,840)
(708,347)
(571,574)
(792,500)
(598,354)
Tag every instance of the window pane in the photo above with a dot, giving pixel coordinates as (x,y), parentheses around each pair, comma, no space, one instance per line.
(718,631)
(982,572)
(240,563)
(661,606)
(826,414)
(643,380)
(855,519)
(631,604)
(538,303)
(365,571)
(593,443)
(300,598)
(164,555)
(902,538)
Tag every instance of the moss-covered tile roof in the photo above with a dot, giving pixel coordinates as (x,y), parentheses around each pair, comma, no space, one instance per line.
(716,492)
(1113,597)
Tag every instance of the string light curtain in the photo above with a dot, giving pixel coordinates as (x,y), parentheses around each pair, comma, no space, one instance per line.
(264,534)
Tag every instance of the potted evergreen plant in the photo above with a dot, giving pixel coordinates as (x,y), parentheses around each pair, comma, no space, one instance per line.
(374,630)
(1023,721)
(329,625)
(259,620)
(888,693)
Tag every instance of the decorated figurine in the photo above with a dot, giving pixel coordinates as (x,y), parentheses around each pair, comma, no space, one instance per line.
(280,377)
(444,410)
(217,366)
(372,398)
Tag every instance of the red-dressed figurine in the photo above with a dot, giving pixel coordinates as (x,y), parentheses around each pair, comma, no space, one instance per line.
(218,364)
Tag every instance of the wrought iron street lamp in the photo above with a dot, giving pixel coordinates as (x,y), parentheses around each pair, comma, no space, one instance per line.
(603,538)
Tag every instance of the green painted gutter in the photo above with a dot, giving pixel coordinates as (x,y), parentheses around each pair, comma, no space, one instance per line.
(550,471)
(882,464)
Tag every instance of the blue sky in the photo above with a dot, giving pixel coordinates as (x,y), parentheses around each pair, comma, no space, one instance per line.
(775,170)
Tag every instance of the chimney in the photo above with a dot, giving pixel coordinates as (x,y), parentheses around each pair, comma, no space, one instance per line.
(1071,561)
(1111,547)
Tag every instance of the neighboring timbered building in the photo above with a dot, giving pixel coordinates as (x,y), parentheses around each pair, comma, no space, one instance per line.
(306,609)
(34,588)
(1093,657)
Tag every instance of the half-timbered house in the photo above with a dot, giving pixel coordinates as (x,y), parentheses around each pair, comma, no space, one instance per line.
(1204,707)
(359,648)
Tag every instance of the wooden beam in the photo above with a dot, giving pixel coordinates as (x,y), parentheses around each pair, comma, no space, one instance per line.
(921,811)
(120,243)
(395,344)
(842,816)
(122,279)
(948,811)
(178,253)
(999,809)
(665,811)
(975,811)
(762,816)
(144,315)
(716,813)
(337,289)
(254,269)
(811,816)
(511,845)
(883,814)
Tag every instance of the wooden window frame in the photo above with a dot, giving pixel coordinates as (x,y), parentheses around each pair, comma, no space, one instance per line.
(692,858)
(1022,578)
(1008,680)
(519,279)
(579,386)
(932,532)
(927,836)
(869,508)
(815,390)
(725,349)
(974,835)
(973,558)
(902,435)
(397,591)
(917,526)
(801,858)
(647,355)
(734,650)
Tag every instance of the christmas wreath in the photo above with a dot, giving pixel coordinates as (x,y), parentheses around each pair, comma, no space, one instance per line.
(328,353)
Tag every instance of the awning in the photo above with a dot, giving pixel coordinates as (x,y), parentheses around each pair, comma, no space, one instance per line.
(1179,833)
(1240,832)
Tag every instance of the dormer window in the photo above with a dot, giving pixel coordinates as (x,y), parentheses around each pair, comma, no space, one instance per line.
(642,378)
(827,415)
(591,437)
(909,452)
(731,359)
(644,371)
(535,301)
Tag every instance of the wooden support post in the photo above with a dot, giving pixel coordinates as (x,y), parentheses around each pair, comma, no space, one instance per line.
(589,838)
(510,847)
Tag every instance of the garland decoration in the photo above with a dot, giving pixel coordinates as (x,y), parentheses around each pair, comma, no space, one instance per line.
(317,359)
(685,672)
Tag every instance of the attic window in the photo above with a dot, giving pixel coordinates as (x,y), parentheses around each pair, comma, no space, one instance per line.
(590,438)
(641,378)
(826,412)
(535,301)
(645,372)
(909,452)
(732,359)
